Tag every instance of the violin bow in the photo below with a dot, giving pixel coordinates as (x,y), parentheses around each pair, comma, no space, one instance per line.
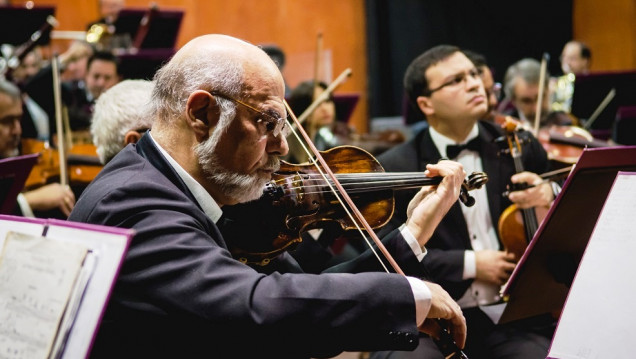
(542,73)
(317,58)
(446,339)
(340,193)
(57,98)
(324,95)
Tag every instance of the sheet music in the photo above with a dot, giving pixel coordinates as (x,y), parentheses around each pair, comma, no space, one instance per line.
(37,276)
(75,300)
(598,317)
(108,249)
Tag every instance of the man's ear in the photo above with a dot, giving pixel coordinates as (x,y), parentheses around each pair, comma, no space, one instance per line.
(424,104)
(202,113)
(131,137)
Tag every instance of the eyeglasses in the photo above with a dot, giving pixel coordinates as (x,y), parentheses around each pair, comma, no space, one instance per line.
(457,80)
(273,125)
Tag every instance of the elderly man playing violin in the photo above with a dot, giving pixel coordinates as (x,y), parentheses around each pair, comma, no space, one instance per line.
(218,130)
(47,197)
(465,254)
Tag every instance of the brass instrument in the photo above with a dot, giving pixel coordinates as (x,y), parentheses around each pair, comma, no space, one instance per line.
(96,32)
(103,37)
(563,91)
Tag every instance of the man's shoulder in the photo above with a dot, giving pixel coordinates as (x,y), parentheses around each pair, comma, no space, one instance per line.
(123,177)
(403,154)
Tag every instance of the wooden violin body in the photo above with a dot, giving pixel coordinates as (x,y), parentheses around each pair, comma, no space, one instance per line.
(511,228)
(517,225)
(299,199)
(83,164)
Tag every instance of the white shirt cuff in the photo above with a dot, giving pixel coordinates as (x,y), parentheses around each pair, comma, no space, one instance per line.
(420,252)
(422,296)
(24,206)
(470,265)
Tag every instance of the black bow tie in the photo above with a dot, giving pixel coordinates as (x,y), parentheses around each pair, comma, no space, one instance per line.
(453,150)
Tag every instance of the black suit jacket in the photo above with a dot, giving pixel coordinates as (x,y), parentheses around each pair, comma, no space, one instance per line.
(73,95)
(445,260)
(181,294)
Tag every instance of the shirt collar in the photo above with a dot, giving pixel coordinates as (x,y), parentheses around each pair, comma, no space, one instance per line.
(442,141)
(205,200)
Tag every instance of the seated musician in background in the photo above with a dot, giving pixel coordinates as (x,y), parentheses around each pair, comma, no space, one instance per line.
(47,197)
(465,254)
(102,72)
(576,58)
(109,11)
(38,121)
(521,87)
(218,130)
(35,121)
(321,125)
(492,88)
(74,62)
(120,117)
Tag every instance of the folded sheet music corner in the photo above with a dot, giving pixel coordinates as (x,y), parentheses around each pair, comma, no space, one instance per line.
(55,280)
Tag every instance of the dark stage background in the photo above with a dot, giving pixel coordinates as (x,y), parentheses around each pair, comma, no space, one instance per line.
(400,30)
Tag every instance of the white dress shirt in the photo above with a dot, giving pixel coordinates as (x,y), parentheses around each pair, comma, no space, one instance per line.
(482,233)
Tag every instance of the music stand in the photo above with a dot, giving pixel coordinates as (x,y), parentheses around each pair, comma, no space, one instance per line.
(345,104)
(591,89)
(163,29)
(13,174)
(18,23)
(541,281)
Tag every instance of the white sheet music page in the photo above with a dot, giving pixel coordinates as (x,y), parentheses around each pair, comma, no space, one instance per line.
(598,316)
(36,279)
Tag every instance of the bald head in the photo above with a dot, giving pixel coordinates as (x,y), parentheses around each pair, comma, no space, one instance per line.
(211,62)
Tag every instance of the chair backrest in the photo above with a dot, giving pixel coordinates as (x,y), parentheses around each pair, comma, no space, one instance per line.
(624,128)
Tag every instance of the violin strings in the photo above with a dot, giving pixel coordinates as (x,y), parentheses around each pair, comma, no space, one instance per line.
(355,188)
(351,216)
(366,182)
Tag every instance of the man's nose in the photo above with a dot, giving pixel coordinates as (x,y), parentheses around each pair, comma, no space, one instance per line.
(277,145)
(473,82)
(17,127)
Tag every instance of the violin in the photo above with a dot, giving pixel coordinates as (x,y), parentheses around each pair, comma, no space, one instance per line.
(83,163)
(564,140)
(47,168)
(515,237)
(299,199)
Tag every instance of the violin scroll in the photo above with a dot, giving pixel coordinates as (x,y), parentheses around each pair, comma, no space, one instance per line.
(474,181)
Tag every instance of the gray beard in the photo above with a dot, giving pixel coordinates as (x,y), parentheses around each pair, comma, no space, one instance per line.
(239,187)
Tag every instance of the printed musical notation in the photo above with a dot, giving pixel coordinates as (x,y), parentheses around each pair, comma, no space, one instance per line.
(37,277)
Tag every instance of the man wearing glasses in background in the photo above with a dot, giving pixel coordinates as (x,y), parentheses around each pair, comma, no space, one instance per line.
(493,89)
(465,255)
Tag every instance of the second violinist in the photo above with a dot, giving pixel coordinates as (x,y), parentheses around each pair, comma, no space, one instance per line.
(52,196)
(465,254)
